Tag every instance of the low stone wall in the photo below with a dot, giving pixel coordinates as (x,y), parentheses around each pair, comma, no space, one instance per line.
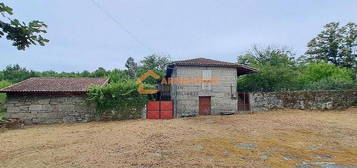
(312,100)
(38,109)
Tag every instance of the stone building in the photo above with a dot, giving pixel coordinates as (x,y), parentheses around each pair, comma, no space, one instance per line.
(51,100)
(204,86)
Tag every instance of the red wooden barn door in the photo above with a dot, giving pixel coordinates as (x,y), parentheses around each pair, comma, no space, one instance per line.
(159,110)
(204,105)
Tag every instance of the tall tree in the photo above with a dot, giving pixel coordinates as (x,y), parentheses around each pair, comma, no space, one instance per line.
(20,33)
(335,45)
(132,67)
(349,43)
(277,70)
(155,62)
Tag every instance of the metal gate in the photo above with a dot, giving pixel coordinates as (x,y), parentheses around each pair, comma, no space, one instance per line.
(243,101)
(159,110)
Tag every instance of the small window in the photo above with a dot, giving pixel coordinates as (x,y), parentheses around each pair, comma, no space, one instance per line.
(206,79)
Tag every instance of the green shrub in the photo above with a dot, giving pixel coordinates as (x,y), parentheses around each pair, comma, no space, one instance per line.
(331,84)
(3,84)
(269,78)
(315,72)
(120,100)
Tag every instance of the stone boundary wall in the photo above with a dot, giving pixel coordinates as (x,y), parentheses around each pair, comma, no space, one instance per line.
(46,109)
(310,100)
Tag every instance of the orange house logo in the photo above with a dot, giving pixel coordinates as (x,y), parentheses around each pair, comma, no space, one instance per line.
(172,81)
(140,80)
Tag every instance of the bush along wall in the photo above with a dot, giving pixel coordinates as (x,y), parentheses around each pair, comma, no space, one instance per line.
(3,84)
(119,100)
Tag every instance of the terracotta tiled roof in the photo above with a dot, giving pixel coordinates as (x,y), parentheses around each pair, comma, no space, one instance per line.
(55,85)
(242,69)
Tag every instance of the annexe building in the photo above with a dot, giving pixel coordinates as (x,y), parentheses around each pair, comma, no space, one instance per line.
(51,100)
(209,86)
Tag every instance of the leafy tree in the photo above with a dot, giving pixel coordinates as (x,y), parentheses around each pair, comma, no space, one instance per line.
(117,75)
(15,73)
(155,62)
(85,74)
(335,45)
(315,72)
(100,72)
(131,67)
(269,55)
(48,74)
(20,33)
(277,70)
(349,50)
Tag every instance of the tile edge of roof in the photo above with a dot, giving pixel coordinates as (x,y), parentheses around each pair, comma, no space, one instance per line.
(3,90)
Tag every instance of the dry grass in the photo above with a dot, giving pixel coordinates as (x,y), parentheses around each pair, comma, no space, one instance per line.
(207,141)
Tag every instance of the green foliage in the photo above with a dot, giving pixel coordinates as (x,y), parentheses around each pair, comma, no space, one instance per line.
(120,100)
(131,67)
(269,79)
(154,62)
(335,45)
(117,75)
(277,70)
(314,72)
(3,84)
(15,73)
(258,56)
(100,72)
(20,33)
(331,84)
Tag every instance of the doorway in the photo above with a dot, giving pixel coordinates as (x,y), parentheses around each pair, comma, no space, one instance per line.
(204,105)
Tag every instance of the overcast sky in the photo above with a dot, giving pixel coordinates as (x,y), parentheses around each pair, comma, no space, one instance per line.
(83,37)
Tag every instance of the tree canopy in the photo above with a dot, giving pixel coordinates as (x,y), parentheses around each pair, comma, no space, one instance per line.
(279,70)
(16,73)
(20,33)
(131,67)
(335,44)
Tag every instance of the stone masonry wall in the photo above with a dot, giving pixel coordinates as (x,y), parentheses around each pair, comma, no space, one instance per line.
(186,97)
(45,109)
(311,100)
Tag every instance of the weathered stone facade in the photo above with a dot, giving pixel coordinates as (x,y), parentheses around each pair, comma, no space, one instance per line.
(186,96)
(45,109)
(311,100)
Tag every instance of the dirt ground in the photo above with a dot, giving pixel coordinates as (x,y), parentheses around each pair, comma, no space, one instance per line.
(287,138)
